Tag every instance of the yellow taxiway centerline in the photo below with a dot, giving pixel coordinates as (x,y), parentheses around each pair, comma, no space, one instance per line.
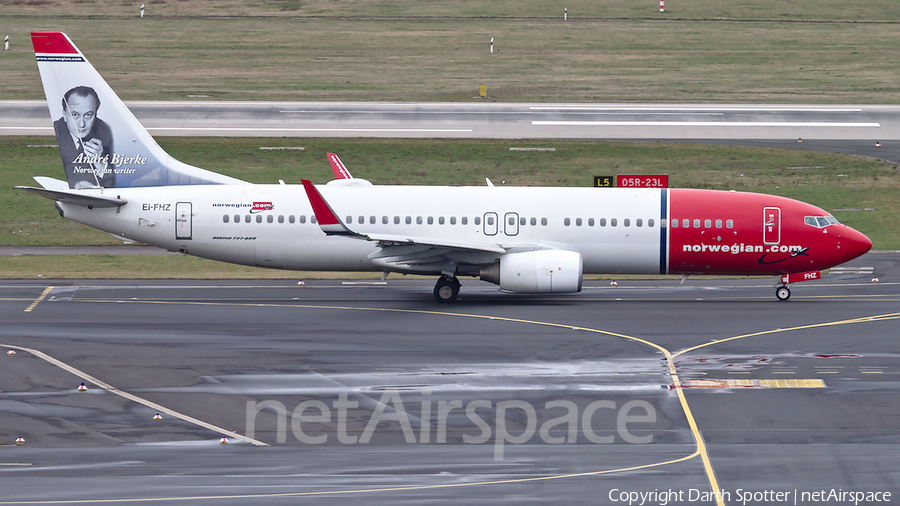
(39,299)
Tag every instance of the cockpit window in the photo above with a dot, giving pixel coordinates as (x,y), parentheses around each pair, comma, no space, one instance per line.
(820,221)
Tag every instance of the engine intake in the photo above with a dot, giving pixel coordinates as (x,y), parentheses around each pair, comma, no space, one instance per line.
(541,271)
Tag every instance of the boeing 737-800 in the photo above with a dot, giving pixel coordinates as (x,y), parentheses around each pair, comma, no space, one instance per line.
(524,239)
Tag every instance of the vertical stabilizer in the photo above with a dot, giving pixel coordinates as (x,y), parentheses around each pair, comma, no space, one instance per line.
(102,144)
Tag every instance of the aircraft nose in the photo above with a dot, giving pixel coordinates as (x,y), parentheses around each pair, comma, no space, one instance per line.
(854,243)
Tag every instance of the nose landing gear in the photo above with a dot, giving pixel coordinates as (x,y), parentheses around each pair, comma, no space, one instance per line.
(782,292)
(446,289)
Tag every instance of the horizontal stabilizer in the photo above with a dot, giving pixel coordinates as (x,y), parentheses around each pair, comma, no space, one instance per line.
(51,183)
(75,197)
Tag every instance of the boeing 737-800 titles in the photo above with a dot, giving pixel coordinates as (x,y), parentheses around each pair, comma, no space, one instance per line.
(524,239)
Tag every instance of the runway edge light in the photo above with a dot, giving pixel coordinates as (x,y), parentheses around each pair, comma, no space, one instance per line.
(20,440)
(224,440)
(11,353)
(82,388)
(157,417)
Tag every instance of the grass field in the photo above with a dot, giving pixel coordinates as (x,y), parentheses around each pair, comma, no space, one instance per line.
(775,10)
(636,57)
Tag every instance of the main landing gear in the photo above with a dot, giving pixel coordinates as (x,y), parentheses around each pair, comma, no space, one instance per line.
(782,292)
(446,289)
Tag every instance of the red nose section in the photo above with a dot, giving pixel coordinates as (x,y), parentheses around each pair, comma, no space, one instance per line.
(853,244)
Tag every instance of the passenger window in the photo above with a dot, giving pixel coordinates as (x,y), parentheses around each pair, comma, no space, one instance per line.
(543,222)
(440,220)
(590,222)
(372,220)
(662,222)
(302,218)
(237,218)
(362,219)
(533,221)
(650,222)
(247,218)
(396,220)
(464,220)
(707,223)
(718,223)
(696,223)
(453,220)
(686,223)
(613,222)
(490,220)
(638,222)
(384,220)
(259,218)
(567,222)
(312,219)
(291,219)
(418,220)
(602,222)
(225,218)
(627,222)
(478,220)
(729,223)
(522,221)
(578,222)
(270,218)
(280,218)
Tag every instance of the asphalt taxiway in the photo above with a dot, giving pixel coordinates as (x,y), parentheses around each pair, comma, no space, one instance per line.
(340,391)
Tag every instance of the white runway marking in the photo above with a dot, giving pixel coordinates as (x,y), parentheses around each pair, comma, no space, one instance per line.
(226,129)
(687,109)
(767,124)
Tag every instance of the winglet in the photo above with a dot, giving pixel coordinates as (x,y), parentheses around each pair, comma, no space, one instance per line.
(338,167)
(325,215)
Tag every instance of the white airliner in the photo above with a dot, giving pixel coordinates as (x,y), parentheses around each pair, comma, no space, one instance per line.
(526,240)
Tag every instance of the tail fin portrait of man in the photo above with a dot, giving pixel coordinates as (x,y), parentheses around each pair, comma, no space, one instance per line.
(101,143)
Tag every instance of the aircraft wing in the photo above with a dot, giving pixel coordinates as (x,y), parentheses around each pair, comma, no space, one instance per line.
(331,224)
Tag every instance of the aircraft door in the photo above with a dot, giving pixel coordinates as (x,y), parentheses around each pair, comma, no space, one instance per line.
(183,220)
(771,225)
(491,227)
(511,224)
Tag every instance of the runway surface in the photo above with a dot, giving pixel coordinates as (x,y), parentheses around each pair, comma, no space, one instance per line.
(852,129)
(338,392)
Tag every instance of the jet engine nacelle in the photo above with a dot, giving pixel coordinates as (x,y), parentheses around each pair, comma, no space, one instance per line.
(541,271)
